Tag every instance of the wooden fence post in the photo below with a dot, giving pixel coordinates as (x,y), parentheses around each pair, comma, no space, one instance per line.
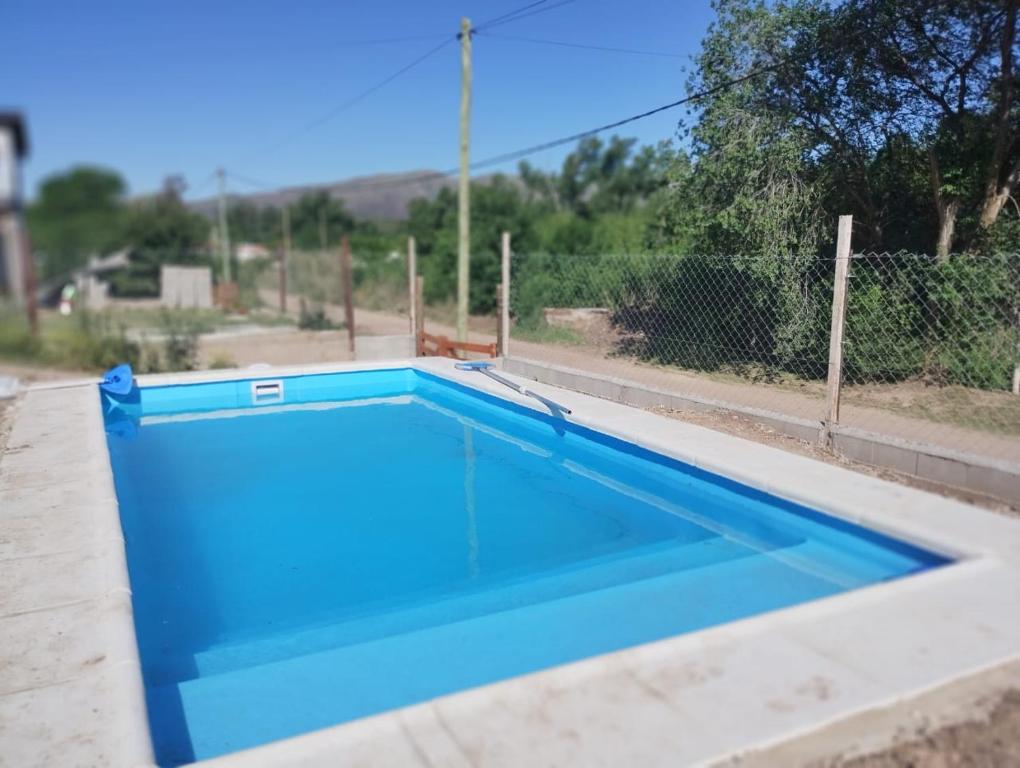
(504,299)
(500,327)
(283,281)
(29,277)
(284,257)
(419,315)
(834,380)
(412,273)
(347,278)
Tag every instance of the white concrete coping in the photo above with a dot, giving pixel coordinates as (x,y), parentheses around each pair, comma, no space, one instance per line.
(71,690)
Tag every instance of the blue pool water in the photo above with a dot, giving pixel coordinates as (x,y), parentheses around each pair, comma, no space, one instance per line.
(371,540)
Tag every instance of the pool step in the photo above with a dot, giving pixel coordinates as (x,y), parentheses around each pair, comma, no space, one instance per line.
(211,715)
(607,571)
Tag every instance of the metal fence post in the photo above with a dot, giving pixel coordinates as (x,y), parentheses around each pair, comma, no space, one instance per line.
(504,299)
(412,271)
(834,380)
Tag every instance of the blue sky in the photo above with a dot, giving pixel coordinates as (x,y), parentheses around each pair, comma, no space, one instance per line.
(153,88)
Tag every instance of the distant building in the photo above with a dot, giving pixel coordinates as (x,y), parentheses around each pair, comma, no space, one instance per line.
(251,251)
(185,287)
(13,240)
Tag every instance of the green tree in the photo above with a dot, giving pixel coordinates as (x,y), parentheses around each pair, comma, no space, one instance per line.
(248,223)
(496,206)
(318,221)
(160,230)
(77,214)
(842,93)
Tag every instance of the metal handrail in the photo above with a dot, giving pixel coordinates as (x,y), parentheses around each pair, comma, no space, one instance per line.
(483,367)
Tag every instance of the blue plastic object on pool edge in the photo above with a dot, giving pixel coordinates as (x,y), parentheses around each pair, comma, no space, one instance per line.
(118,380)
(474,365)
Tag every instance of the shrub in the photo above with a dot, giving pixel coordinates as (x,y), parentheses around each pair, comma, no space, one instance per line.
(314,318)
(180,343)
(222,360)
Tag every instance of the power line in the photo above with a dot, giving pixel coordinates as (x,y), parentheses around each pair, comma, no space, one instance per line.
(362,95)
(205,183)
(582,46)
(512,13)
(250,181)
(553,143)
(387,40)
(520,153)
(517,16)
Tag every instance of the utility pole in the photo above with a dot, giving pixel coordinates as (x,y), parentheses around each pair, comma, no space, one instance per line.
(464,187)
(412,274)
(224,234)
(284,257)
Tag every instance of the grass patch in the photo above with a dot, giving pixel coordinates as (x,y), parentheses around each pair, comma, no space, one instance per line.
(95,341)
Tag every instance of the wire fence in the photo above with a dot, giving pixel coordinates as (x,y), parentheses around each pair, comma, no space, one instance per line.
(930,349)
(380,279)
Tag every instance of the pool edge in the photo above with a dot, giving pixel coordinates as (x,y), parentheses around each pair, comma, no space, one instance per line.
(983,554)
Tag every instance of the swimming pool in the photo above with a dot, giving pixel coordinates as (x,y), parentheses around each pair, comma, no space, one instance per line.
(309,550)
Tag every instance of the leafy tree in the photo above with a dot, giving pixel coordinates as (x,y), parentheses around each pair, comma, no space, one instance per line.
(599,178)
(946,68)
(317,221)
(497,206)
(78,214)
(842,93)
(604,199)
(160,230)
(248,223)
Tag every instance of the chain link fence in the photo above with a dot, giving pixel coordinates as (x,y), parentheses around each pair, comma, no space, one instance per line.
(315,278)
(930,346)
(936,342)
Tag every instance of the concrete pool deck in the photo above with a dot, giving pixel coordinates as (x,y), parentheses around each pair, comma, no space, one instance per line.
(70,680)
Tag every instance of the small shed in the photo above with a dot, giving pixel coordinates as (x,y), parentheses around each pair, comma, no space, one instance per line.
(185,287)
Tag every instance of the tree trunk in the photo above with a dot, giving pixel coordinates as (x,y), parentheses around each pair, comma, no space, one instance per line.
(996,196)
(947,208)
(998,186)
(948,211)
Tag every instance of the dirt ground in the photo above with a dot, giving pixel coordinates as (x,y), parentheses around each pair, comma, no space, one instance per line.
(991,742)
(741,426)
(6,414)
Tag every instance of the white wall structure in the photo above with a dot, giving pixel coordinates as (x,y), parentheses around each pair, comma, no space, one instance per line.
(13,147)
(185,287)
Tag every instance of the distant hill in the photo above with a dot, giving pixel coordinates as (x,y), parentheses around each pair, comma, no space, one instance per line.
(382,197)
